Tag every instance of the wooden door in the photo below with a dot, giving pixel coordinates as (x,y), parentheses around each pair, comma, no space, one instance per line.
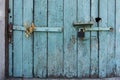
(54,50)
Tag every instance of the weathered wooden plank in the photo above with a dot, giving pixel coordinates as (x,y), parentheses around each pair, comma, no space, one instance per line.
(17,40)
(111,40)
(94,41)
(27,42)
(103,39)
(55,40)
(70,39)
(117,38)
(10,19)
(40,39)
(84,44)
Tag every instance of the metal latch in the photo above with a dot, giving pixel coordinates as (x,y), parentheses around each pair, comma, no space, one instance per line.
(10,32)
(99,29)
(40,29)
(87,26)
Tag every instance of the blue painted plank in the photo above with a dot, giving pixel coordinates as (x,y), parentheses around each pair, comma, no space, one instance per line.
(117,38)
(17,40)
(111,39)
(70,39)
(84,44)
(94,40)
(27,42)
(10,19)
(40,39)
(55,40)
(103,39)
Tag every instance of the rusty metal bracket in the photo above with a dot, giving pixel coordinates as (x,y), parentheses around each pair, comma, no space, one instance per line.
(10,32)
(29,29)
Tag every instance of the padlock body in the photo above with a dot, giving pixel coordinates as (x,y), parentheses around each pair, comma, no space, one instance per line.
(81,34)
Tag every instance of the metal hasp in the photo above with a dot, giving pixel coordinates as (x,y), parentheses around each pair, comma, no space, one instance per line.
(81,24)
(87,26)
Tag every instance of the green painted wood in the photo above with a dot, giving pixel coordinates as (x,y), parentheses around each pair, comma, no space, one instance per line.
(17,40)
(55,40)
(40,39)
(94,41)
(84,44)
(70,39)
(111,39)
(103,39)
(117,38)
(10,19)
(27,42)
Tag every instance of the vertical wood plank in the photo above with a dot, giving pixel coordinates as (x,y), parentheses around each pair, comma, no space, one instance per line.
(70,39)
(40,39)
(84,44)
(17,40)
(55,40)
(103,39)
(10,19)
(111,40)
(117,37)
(27,42)
(94,41)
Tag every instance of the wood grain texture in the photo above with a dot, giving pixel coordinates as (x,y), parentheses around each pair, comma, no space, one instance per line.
(70,39)
(10,20)
(40,39)
(55,40)
(111,40)
(103,39)
(117,38)
(94,41)
(63,54)
(17,40)
(84,44)
(27,42)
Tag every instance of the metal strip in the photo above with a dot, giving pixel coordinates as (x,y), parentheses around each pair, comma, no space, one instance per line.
(81,24)
(99,29)
(42,29)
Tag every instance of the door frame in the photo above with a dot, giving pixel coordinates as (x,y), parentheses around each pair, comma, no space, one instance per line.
(3,39)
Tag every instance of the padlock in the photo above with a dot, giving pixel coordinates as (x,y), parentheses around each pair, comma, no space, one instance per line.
(81,33)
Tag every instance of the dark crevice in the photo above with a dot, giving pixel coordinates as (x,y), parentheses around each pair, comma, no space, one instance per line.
(13,41)
(33,41)
(47,44)
(63,37)
(98,35)
(115,39)
(76,33)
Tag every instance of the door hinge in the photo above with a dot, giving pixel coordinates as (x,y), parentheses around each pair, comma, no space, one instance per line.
(10,32)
